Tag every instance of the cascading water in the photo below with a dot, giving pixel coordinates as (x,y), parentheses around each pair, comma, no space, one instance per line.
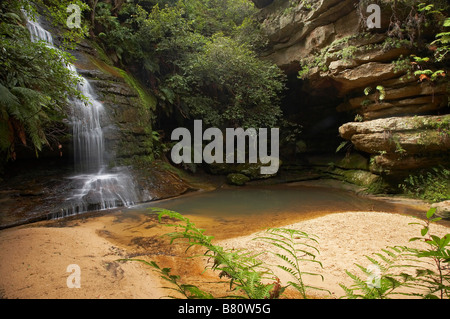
(88,141)
(94,187)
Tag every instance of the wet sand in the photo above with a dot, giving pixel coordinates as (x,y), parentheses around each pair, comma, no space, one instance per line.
(34,258)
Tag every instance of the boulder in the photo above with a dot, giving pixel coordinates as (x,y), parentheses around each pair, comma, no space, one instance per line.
(393,124)
(296,30)
(364,75)
(401,143)
(442,209)
(403,165)
(396,93)
(354,161)
(237,179)
(421,142)
(373,183)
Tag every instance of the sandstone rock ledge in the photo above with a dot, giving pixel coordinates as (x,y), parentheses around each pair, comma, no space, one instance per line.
(401,143)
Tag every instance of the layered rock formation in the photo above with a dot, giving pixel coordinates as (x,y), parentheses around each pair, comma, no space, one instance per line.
(127,124)
(393,116)
(128,107)
(401,143)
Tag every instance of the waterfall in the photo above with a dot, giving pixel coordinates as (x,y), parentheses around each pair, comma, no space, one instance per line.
(88,141)
(94,187)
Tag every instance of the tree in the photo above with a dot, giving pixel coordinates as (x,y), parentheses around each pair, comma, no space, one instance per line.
(199,57)
(34,90)
(229,86)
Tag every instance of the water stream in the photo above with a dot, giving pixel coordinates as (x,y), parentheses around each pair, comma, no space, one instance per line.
(95,187)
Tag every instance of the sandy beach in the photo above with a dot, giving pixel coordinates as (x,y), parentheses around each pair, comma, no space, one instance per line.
(34,258)
(343,241)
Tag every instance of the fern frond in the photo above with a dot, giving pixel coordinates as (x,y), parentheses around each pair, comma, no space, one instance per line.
(299,247)
(8,99)
(386,261)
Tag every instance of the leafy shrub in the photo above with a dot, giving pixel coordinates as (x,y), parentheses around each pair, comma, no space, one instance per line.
(432,185)
(436,280)
(199,58)
(34,91)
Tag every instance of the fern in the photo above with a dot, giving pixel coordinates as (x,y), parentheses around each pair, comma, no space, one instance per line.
(381,280)
(245,272)
(296,247)
(342,145)
(188,291)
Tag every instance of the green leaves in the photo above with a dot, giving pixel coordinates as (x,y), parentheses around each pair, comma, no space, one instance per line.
(394,271)
(242,92)
(426,272)
(436,279)
(34,91)
(381,277)
(247,275)
(294,248)
(431,185)
(183,47)
(243,269)
(430,213)
(35,87)
(379,88)
(382,93)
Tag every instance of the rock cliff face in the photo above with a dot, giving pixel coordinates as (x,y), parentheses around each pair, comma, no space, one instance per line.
(127,124)
(39,190)
(388,115)
(128,107)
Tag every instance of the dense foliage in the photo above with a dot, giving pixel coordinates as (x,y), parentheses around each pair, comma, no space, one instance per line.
(34,90)
(199,57)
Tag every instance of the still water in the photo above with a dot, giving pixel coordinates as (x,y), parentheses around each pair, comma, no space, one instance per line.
(274,199)
(229,212)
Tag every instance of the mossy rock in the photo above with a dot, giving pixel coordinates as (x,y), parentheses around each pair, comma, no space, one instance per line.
(442,209)
(374,183)
(253,171)
(237,179)
(220,168)
(360,177)
(354,161)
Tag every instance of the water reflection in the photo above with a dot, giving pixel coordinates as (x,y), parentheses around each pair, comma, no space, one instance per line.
(275,199)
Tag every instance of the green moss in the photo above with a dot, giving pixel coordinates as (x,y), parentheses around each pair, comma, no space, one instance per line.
(345,49)
(101,53)
(237,179)
(142,117)
(339,49)
(148,100)
(359,177)
(107,68)
(354,161)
